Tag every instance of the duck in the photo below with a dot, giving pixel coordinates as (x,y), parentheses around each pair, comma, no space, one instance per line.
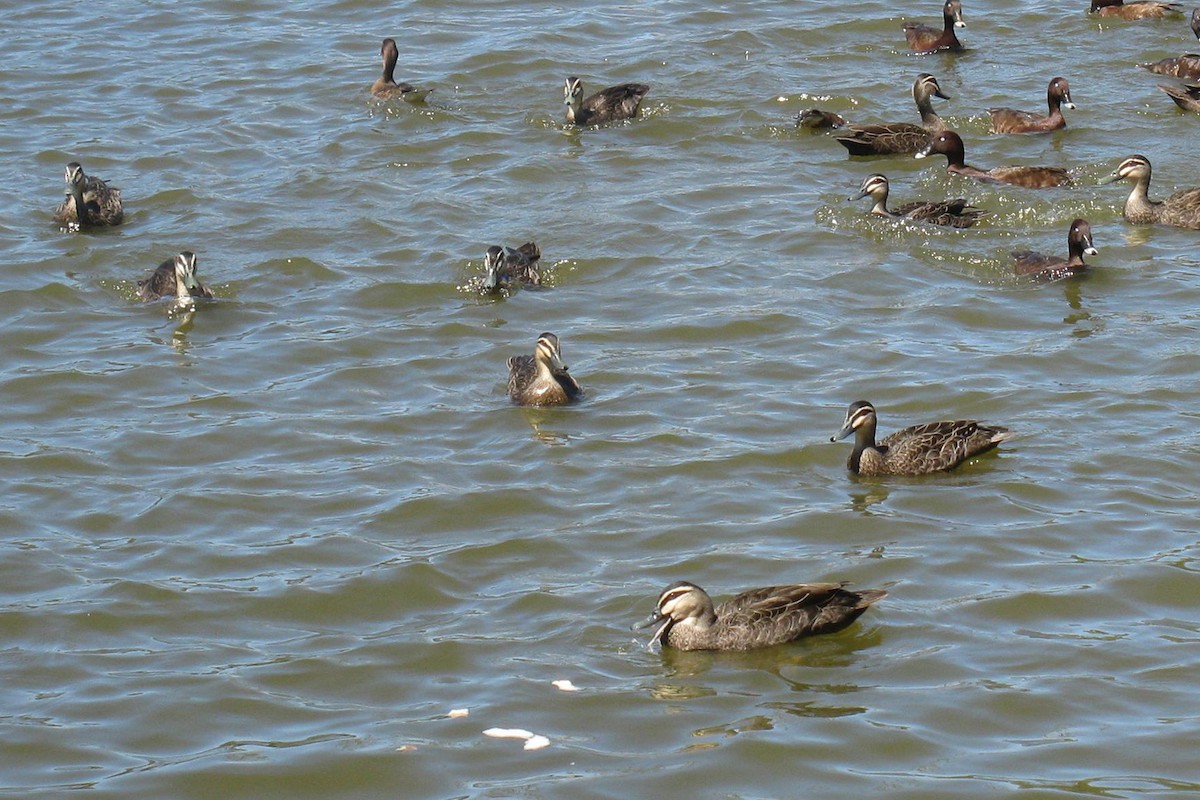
(688,620)
(926,39)
(917,450)
(385,86)
(815,118)
(1184,67)
(90,202)
(167,278)
(950,144)
(1010,120)
(1186,96)
(607,105)
(1181,209)
(900,137)
(506,268)
(952,213)
(1139,9)
(1050,268)
(542,379)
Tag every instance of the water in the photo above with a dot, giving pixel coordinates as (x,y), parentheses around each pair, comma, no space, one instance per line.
(262,552)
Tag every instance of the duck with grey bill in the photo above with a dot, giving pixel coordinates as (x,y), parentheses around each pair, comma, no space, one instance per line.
(174,276)
(1182,209)
(953,213)
(815,118)
(385,86)
(917,450)
(1010,120)
(899,137)
(505,268)
(607,105)
(927,39)
(90,202)
(1052,268)
(686,619)
(542,378)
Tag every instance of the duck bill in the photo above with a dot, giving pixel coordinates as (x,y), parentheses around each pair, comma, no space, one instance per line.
(842,433)
(858,196)
(1113,177)
(654,619)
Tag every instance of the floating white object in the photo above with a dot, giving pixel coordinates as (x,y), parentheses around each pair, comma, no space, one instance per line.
(536,742)
(459,712)
(564,685)
(509,733)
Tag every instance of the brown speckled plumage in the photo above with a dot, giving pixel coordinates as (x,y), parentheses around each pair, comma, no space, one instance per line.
(90,202)
(1182,209)
(918,450)
(1138,9)
(607,105)
(763,617)
(955,213)
(899,137)
(505,269)
(541,379)
(163,282)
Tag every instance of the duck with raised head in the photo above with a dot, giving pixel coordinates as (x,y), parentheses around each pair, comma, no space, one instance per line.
(815,119)
(542,378)
(899,137)
(607,105)
(927,39)
(1137,9)
(686,618)
(505,268)
(90,202)
(385,86)
(1052,268)
(169,275)
(1182,209)
(951,213)
(950,144)
(1010,120)
(917,450)
(1186,96)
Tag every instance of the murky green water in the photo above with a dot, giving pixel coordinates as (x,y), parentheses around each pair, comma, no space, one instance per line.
(263,552)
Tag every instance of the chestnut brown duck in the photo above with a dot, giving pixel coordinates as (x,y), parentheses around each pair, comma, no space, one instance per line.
(1052,268)
(815,119)
(1182,209)
(90,202)
(899,137)
(607,105)
(1137,9)
(950,144)
(1010,120)
(917,450)
(688,620)
(541,379)
(927,39)
(1186,96)
(385,86)
(169,275)
(952,213)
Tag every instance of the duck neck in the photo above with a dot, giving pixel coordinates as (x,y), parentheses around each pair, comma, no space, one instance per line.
(864,439)
(1139,204)
(929,118)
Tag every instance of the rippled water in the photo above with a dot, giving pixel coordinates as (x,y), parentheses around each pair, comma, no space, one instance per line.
(263,551)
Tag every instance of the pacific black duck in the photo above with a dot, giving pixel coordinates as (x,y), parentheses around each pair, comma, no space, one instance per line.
(541,379)
(1186,97)
(815,118)
(950,144)
(1138,9)
(89,201)
(926,39)
(1181,209)
(952,213)
(1051,268)
(917,450)
(1184,67)
(687,619)
(607,105)
(165,280)
(385,86)
(506,268)
(899,137)
(1010,120)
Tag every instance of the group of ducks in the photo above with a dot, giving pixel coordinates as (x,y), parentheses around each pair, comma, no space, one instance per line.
(685,616)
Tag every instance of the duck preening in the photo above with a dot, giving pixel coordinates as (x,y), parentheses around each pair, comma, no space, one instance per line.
(542,378)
